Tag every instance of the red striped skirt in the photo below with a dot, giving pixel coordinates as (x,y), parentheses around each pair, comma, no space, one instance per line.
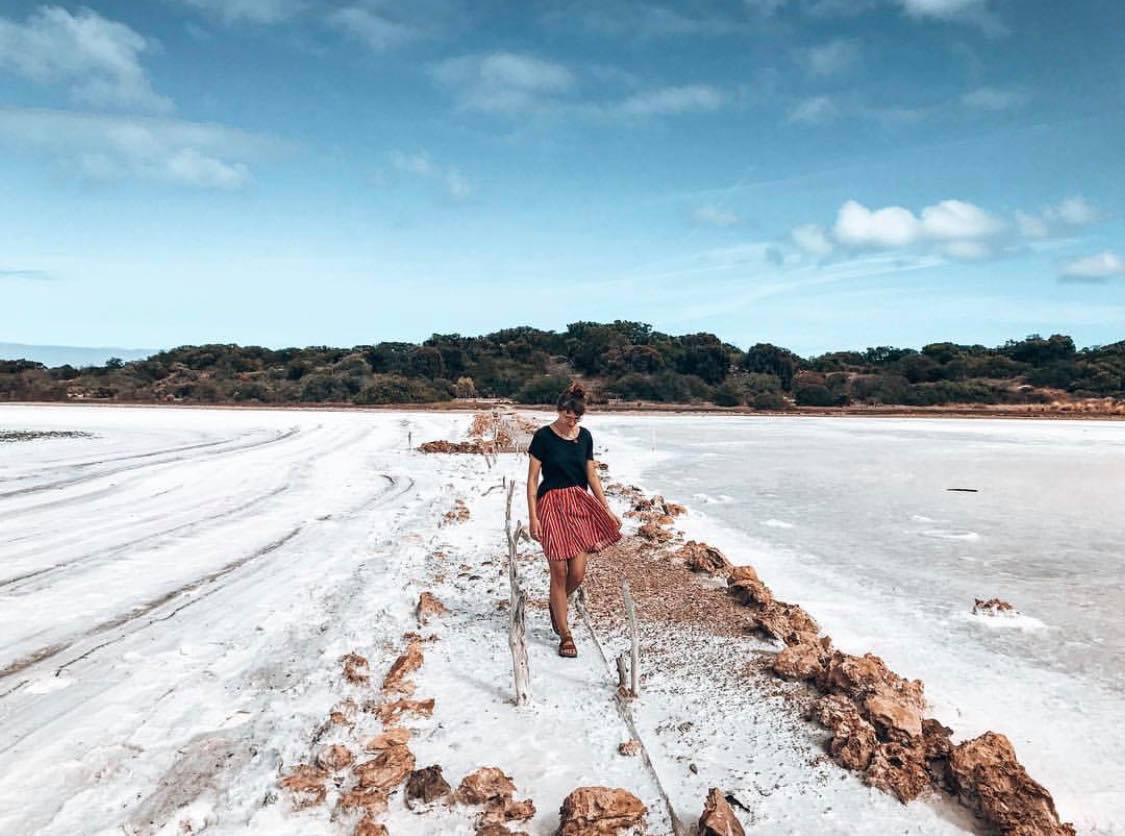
(574,522)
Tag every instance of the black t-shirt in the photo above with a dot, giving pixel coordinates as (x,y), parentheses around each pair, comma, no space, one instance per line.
(564,462)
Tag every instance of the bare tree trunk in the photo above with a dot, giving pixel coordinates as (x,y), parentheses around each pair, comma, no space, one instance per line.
(634,635)
(517,624)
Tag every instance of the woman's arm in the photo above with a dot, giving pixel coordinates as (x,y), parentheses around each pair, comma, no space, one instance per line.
(533,466)
(596,487)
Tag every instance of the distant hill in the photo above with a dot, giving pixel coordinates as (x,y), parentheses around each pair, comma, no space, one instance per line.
(69,355)
(618,361)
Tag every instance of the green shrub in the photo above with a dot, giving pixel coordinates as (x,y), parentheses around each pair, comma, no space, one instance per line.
(544,389)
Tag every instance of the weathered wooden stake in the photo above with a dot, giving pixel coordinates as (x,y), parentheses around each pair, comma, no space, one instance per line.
(635,655)
(517,623)
(622,673)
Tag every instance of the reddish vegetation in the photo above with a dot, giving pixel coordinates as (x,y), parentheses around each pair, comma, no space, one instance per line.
(718,818)
(428,604)
(599,811)
(452,447)
(395,680)
(355,669)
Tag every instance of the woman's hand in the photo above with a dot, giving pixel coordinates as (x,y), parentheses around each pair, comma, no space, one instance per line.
(535,530)
(616,519)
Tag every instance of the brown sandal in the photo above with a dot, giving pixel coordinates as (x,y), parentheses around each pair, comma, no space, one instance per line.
(567,648)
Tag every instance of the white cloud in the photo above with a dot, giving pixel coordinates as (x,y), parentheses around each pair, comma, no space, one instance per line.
(98,59)
(375,30)
(833,58)
(386,24)
(975,12)
(1031,226)
(671,100)
(716,216)
(202,155)
(1100,266)
(639,19)
(955,220)
(994,98)
(814,111)
(812,239)
(250,11)
(420,164)
(893,226)
(1074,211)
(967,250)
(504,82)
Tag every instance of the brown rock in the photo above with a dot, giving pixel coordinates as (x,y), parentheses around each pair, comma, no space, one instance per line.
(427,786)
(751,593)
(778,620)
(936,748)
(372,800)
(718,818)
(674,510)
(629,748)
(355,669)
(699,557)
(457,514)
(451,447)
(599,811)
(428,604)
(654,533)
(367,826)
(334,758)
(493,828)
(993,606)
(799,661)
(485,785)
(394,682)
(390,712)
(861,676)
(519,810)
(306,783)
(898,769)
(895,719)
(853,738)
(386,770)
(990,781)
(393,737)
(742,573)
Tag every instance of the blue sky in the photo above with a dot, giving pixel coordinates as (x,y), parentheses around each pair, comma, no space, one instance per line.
(823,174)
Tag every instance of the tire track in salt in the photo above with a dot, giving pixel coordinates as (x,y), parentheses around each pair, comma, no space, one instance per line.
(138,612)
(65,483)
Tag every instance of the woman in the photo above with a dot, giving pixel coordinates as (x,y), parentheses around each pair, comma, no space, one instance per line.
(564,517)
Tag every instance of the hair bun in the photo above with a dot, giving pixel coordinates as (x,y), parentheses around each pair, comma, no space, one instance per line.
(575,390)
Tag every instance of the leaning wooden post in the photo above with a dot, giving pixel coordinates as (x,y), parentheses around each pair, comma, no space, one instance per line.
(517,623)
(635,656)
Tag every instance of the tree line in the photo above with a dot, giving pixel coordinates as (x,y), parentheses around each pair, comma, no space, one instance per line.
(620,361)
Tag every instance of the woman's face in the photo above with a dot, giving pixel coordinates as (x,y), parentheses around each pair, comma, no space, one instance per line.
(569,419)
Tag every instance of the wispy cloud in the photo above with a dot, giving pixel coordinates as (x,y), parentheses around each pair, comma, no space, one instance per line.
(814,111)
(249,11)
(716,216)
(27,275)
(1098,267)
(420,164)
(102,147)
(98,60)
(977,13)
(504,82)
(671,100)
(383,24)
(995,99)
(830,59)
(641,19)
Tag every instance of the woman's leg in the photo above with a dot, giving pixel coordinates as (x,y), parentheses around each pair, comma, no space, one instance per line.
(575,572)
(557,598)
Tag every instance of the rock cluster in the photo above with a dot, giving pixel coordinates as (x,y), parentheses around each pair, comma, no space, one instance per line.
(490,788)
(428,604)
(993,606)
(600,811)
(718,818)
(395,681)
(452,447)
(699,557)
(457,514)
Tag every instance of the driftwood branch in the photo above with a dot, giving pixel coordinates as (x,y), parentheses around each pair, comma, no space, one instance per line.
(517,622)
